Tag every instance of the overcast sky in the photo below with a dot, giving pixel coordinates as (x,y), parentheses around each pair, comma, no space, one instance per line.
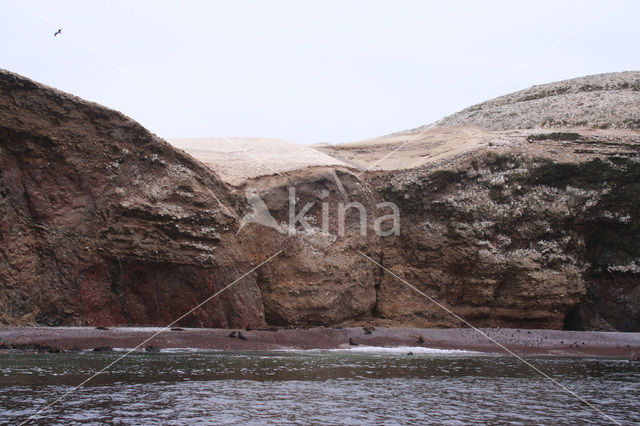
(308,71)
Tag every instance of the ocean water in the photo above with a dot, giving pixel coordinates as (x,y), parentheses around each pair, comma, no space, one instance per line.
(361,386)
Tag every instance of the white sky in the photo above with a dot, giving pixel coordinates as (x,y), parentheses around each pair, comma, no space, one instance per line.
(308,71)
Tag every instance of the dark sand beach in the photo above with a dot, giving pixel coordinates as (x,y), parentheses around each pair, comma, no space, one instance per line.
(520,341)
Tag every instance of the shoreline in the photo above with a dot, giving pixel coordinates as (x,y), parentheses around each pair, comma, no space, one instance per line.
(520,341)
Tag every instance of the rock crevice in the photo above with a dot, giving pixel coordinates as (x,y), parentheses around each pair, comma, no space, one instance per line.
(103,223)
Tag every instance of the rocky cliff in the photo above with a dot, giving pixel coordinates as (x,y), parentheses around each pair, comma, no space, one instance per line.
(104,223)
(504,221)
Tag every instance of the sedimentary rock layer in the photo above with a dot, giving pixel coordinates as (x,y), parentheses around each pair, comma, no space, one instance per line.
(103,223)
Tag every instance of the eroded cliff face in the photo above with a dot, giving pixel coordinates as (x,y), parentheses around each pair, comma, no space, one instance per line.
(509,239)
(103,223)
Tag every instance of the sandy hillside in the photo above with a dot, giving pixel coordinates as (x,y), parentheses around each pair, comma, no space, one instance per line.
(599,108)
(602,101)
(428,147)
(238,159)
(408,150)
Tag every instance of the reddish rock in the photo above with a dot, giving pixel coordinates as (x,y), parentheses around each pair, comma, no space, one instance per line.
(103,223)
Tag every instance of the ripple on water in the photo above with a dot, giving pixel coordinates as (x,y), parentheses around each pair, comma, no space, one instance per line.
(329,387)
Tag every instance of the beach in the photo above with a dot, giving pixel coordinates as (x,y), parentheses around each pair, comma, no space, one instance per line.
(518,341)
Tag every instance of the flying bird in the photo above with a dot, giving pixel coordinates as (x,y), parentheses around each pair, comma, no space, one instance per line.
(58,32)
